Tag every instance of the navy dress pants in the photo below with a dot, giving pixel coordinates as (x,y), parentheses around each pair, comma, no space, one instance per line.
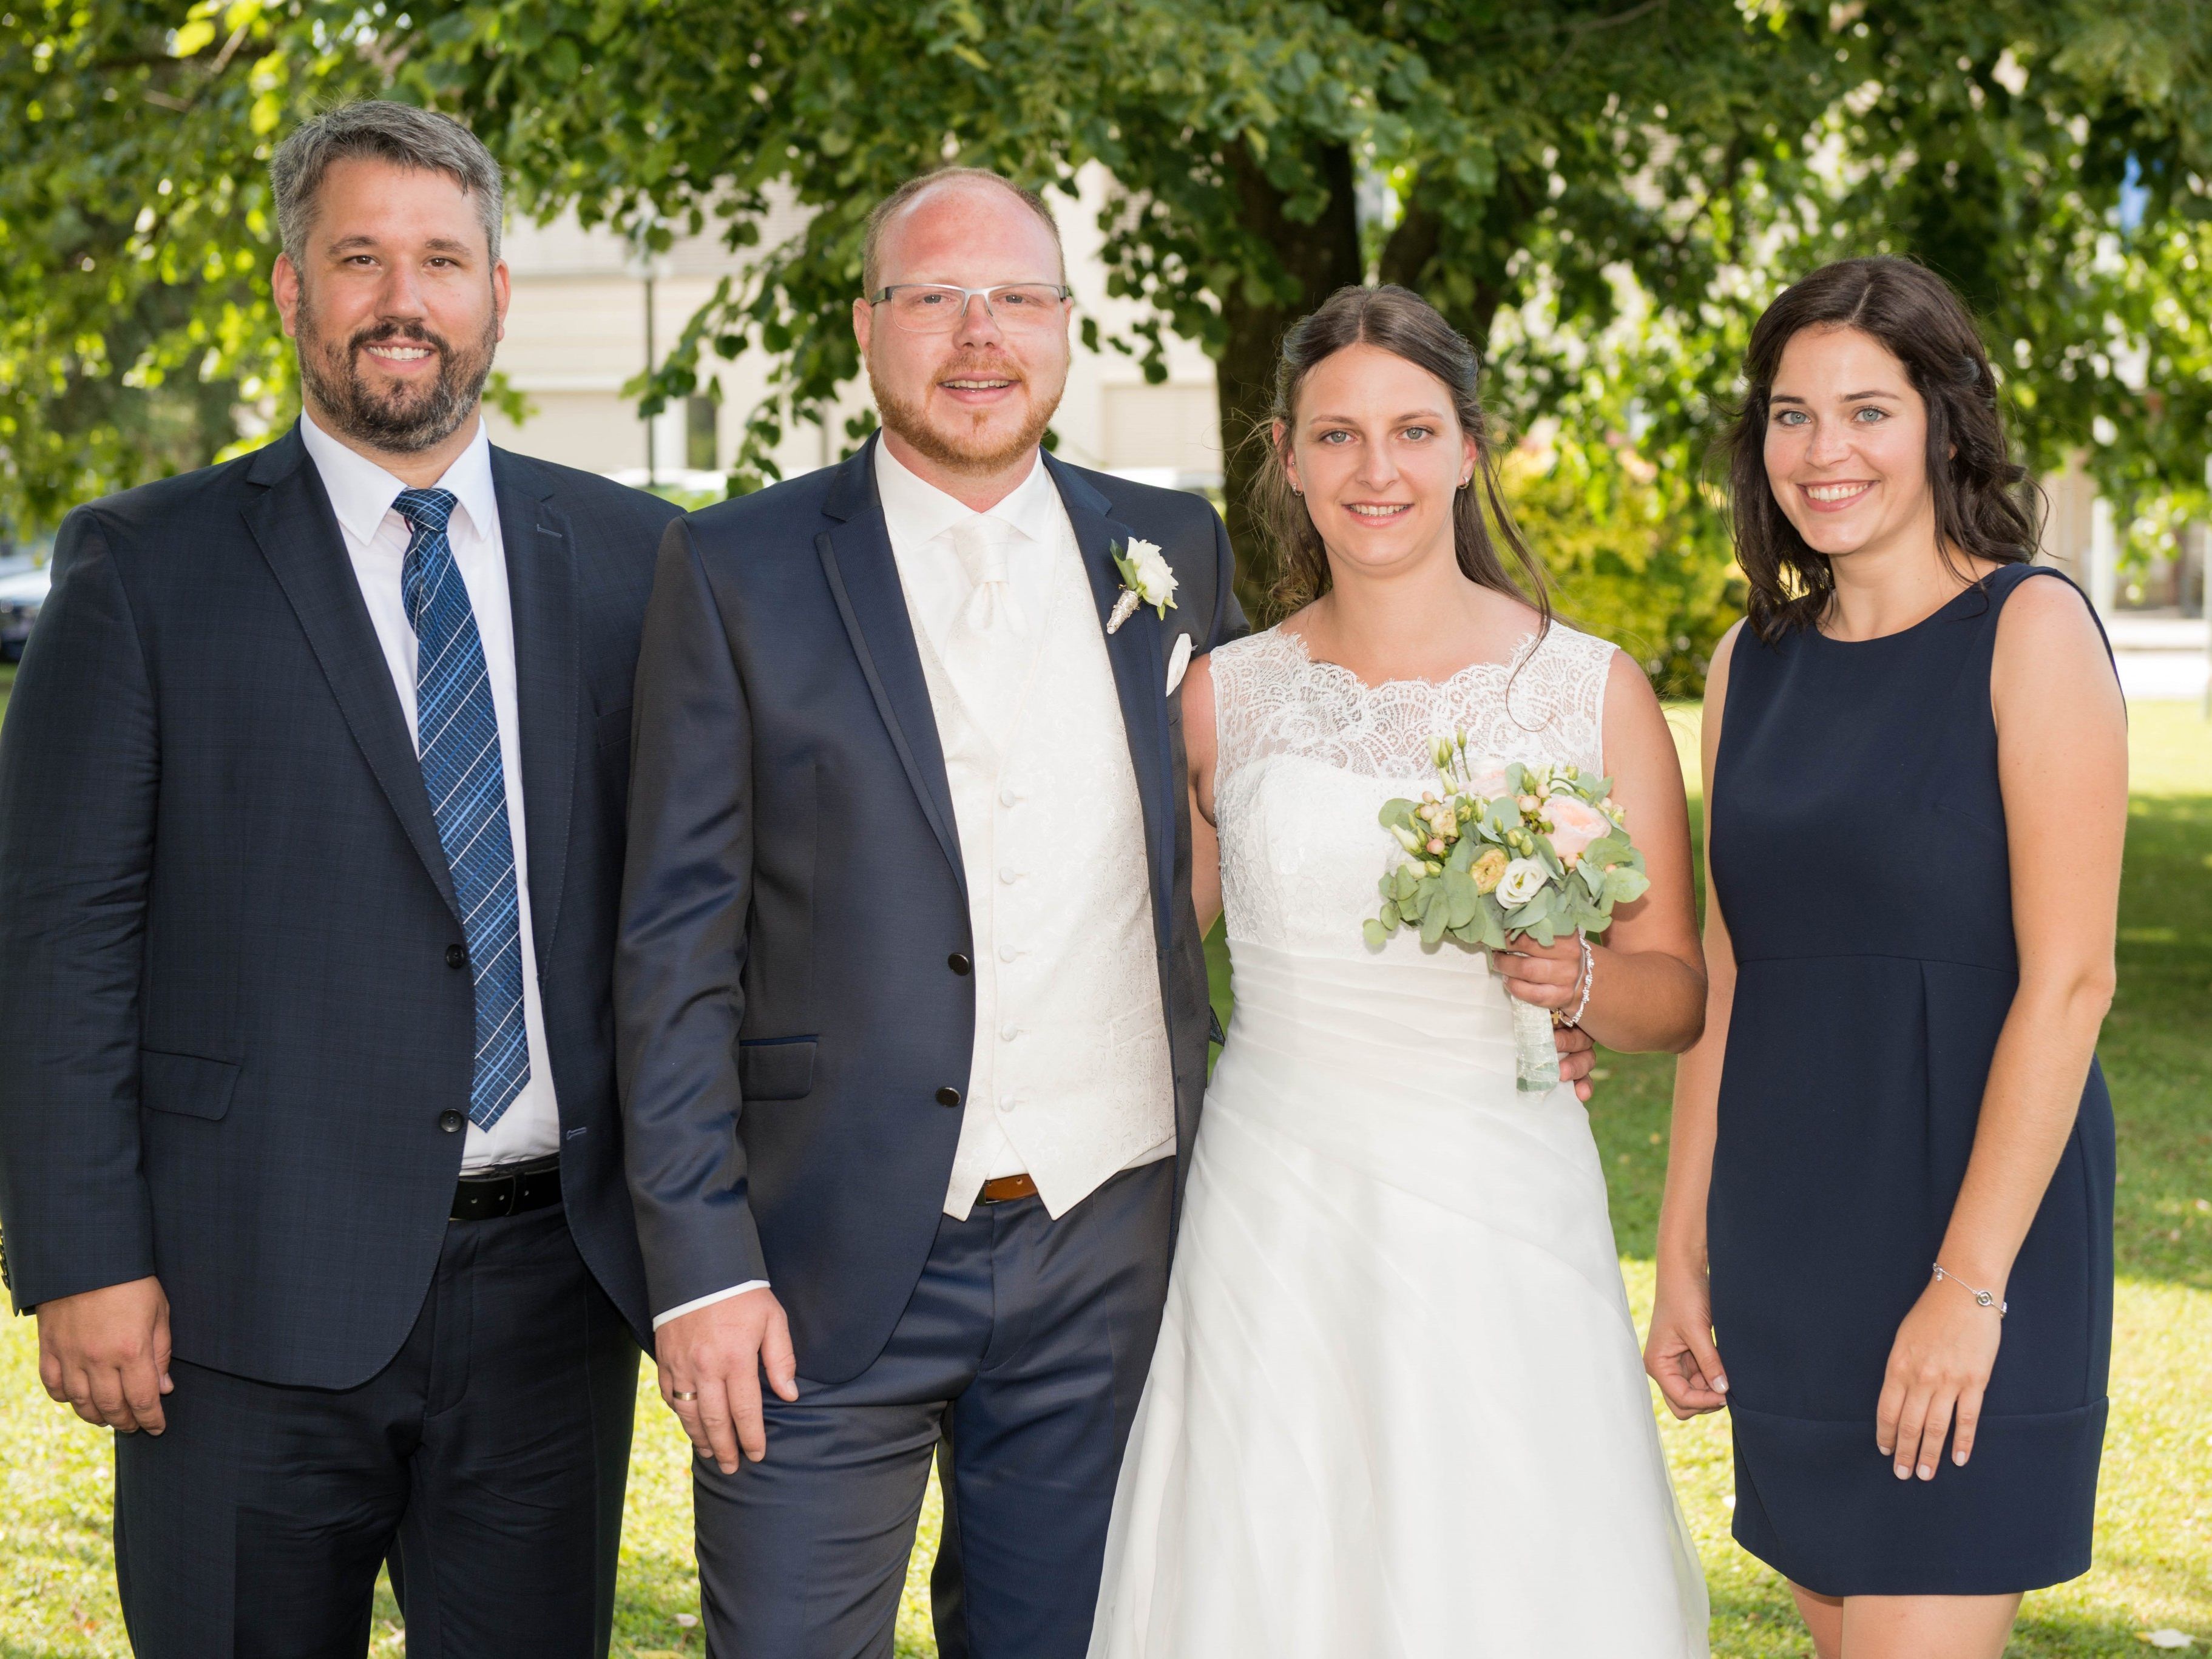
(1023,1349)
(486,1460)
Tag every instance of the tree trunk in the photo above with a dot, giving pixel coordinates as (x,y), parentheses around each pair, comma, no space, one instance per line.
(1321,256)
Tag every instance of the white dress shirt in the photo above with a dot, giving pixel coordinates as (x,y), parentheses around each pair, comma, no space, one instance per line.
(921,519)
(376,537)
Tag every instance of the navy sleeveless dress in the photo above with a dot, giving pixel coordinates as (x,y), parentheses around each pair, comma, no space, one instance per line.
(1859,858)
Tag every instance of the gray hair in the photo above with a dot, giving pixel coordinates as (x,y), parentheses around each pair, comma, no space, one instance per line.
(385,131)
(880,216)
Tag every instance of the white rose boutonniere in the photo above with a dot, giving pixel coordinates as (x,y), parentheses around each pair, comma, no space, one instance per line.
(1146,579)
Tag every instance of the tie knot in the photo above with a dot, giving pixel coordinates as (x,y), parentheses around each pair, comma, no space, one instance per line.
(426,509)
(981,541)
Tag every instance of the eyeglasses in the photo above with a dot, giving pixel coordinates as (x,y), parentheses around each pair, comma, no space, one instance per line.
(938,307)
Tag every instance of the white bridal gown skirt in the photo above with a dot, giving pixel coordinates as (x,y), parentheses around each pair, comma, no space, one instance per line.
(1397,1407)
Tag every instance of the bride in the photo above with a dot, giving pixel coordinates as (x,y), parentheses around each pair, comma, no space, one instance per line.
(1397,1407)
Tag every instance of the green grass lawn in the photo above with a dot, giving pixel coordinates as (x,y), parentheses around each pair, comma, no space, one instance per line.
(2154,1539)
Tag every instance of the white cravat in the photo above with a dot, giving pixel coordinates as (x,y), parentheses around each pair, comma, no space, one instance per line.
(981,543)
(984,650)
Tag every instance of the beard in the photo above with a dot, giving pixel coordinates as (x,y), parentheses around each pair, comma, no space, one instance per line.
(397,419)
(966,443)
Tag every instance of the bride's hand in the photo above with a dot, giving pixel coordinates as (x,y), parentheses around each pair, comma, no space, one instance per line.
(1548,976)
(1678,1353)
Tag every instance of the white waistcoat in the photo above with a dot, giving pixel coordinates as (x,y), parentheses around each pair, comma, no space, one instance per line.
(1071,1080)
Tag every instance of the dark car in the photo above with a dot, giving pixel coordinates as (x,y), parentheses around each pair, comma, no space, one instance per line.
(21,594)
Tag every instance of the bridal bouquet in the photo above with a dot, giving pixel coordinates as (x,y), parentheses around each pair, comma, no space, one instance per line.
(1503,849)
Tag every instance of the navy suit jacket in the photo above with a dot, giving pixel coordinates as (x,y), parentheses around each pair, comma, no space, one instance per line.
(791,987)
(227,1026)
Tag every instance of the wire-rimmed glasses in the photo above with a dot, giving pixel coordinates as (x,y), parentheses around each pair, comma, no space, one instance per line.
(938,307)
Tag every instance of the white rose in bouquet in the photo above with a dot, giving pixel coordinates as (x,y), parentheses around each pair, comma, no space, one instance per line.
(1523,879)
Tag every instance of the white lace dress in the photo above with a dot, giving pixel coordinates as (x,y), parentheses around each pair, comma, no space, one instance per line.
(1397,1410)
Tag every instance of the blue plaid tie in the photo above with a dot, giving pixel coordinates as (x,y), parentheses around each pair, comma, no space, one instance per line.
(457,735)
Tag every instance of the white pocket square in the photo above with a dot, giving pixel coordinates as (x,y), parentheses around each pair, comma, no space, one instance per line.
(1178,661)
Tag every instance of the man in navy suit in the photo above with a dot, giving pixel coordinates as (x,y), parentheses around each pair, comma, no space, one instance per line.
(311,804)
(912,1000)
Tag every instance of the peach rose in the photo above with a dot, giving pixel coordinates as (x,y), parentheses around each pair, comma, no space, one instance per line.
(1487,778)
(1488,869)
(1575,824)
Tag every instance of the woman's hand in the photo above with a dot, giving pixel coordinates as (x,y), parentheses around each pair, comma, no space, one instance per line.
(1679,1354)
(1548,976)
(1938,1367)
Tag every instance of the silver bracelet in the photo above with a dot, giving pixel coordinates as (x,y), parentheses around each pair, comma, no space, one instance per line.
(1986,1298)
(1590,972)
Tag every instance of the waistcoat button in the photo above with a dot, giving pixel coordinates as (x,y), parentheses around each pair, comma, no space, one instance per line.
(451,1122)
(958,963)
(948,1095)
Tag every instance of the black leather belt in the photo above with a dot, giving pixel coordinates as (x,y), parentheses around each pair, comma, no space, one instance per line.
(508,1189)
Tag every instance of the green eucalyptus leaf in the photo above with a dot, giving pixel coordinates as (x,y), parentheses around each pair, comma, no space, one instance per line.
(1463,900)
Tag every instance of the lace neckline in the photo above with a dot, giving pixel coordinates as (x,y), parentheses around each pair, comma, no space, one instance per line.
(1451,682)
(1273,696)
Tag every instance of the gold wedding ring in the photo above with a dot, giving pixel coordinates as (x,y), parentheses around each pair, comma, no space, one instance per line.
(679,1394)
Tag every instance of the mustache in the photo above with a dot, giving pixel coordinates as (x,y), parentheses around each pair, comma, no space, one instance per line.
(408,333)
(982,367)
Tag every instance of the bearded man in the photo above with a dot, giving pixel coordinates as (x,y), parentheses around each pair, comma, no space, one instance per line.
(311,806)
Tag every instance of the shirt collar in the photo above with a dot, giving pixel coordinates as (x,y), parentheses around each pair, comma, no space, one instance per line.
(361,492)
(924,512)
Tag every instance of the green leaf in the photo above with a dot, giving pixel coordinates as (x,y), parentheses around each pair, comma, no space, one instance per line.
(1461,898)
(1375,935)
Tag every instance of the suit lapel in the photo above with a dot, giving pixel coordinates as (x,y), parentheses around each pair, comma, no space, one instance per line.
(1139,677)
(863,576)
(299,537)
(541,579)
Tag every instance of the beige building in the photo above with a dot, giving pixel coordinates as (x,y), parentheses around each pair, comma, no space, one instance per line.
(584,307)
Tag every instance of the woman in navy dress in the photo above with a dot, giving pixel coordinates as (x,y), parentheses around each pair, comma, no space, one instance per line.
(1889,1196)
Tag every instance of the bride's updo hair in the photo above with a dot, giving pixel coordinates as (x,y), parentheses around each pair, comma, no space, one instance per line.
(1399,321)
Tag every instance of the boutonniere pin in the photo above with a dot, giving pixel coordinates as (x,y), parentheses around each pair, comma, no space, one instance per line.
(1146,579)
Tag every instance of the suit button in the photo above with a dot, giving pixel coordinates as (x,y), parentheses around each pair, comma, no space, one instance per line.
(457,955)
(948,1095)
(958,963)
(451,1122)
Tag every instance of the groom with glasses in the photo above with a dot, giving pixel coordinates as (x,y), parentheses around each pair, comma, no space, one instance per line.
(911,996)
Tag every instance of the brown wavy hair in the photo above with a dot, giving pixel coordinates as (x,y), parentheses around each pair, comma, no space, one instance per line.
(1984,505)
(1399,321)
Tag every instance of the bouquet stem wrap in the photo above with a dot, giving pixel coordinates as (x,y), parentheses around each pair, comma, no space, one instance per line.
(1535,1054)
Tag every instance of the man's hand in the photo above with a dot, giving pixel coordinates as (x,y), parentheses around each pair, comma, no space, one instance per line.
(715,1356)
(106,1353)
(1577,1053)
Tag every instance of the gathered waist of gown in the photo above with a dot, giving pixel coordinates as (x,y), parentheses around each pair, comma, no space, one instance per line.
(1422,1022)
